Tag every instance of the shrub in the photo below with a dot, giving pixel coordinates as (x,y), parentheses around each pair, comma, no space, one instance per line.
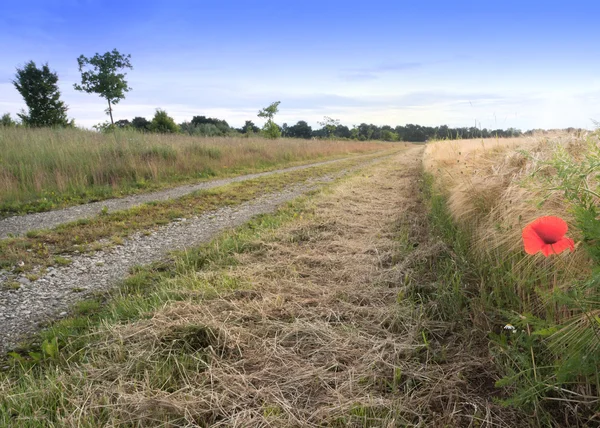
(163,123)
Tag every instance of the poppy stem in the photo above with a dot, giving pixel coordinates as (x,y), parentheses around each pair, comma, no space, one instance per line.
(532,355)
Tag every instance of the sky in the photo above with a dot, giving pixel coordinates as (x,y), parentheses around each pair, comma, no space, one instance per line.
(488,63)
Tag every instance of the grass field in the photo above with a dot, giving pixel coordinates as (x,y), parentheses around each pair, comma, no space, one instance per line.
(396,297)
(482,196)
(41,169)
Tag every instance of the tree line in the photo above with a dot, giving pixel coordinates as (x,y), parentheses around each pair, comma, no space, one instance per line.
(214,127)
(103,75)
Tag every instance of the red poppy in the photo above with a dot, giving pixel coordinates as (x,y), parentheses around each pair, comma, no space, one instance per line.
(547,234)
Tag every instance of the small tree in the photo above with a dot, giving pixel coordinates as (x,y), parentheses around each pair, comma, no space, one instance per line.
(7,121)
(163,123)
(270,129)
(103,78)
(250,128)
(329,126)
(140,123)
(123,124)
(300,130)
(39,89)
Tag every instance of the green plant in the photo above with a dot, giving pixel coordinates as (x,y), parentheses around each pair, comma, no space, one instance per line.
(270,129)
(39,89)
(163,123)
(6,120)
(103,78)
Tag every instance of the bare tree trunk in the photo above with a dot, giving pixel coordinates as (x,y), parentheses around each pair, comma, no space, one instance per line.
(110,112)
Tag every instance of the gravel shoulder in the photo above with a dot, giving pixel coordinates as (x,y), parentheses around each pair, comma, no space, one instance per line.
(20,225)
(24,310)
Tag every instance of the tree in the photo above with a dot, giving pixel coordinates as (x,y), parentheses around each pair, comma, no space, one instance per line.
(140,123)
(221,125)
(103,78)
(249,128)
(388,135)
(270,129)
(123,123)
(342,131)
(300,130)
(7,121)
(163,123)
(329,126)
(39,89)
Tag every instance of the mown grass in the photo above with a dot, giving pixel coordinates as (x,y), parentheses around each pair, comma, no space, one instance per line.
(41,247)
(540,315)
(180,342)
(42,169)
(36,386)
(44,381)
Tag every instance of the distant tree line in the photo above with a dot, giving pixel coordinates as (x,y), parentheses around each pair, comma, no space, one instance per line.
(213,127)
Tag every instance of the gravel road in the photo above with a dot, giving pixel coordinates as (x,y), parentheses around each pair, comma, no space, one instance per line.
(19,225)
(50,297)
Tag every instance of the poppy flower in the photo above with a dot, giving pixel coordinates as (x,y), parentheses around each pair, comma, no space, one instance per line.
(547,234)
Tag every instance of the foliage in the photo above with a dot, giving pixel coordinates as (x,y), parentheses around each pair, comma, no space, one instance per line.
(270,111)
(123,123)
(6,120)
(329,126)
(300,130)
(103,78)
(39,89)
(270,129)
(206,127)
(104,127)
(163,123)
(577,176)
(249,128)
(140,123)
(221,125)
(388,135)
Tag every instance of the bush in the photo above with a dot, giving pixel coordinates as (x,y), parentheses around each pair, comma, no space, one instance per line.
(163,123)
(6,120)
(271,130)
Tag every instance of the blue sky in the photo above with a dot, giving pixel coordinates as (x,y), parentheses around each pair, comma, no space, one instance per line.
(497,63)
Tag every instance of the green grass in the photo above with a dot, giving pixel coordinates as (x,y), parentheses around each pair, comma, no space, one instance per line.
(43,247)
(42,169)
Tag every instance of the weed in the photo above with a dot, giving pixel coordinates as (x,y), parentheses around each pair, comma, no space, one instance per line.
(62,261)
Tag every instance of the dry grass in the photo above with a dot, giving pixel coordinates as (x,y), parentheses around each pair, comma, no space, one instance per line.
(315,333)
(491,193)
(42,168)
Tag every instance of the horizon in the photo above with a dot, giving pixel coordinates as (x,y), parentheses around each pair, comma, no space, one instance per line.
(494,66)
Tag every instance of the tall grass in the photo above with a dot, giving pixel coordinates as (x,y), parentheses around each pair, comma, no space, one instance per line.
(43,168)
(542,314)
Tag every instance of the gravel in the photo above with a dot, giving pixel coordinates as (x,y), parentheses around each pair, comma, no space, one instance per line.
(28,304)
(19,225)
